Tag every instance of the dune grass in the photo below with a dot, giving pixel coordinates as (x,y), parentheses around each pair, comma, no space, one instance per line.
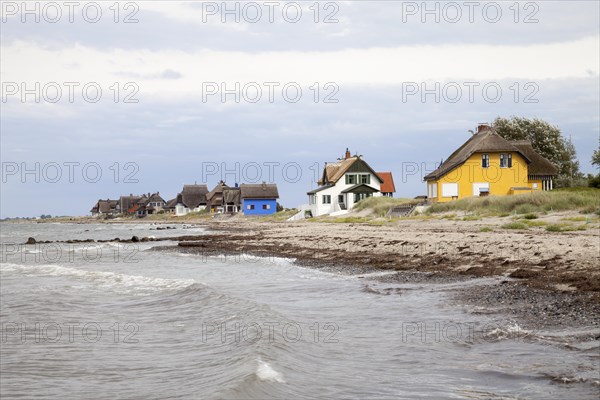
(381,205)
(585,200)
(515,225)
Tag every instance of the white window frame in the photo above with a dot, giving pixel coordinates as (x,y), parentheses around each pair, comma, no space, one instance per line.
(477,186)
(449,189)
(432,190)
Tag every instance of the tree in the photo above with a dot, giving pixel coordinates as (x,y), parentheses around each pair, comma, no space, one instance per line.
(547,140)
(596,158)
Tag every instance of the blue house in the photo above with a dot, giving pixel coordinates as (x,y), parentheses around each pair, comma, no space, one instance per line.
(259,199)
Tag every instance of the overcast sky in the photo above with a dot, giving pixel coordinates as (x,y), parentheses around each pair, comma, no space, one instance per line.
(135,92)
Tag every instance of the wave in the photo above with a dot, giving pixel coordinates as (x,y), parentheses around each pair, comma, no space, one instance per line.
(266,373)
(131,283)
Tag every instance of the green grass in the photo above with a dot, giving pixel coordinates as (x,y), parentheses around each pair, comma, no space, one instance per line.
(486,229)
(515,225)
(581,199)
(565,228)
(381,205)
(530,222)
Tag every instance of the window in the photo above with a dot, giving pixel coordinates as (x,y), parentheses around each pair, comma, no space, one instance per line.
(481,189)
(449,189)
(250,207)
(365,179)
(350,179)
(311,199)
(505,160)
(432,190)
(360,196)
(485,160)
(326,199)
(341,198)
(266,206)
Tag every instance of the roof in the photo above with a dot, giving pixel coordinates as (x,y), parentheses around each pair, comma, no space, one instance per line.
(387,186)
(231,195)
(539,165)
(335,170)
(154,198)
(484,141)
(171,203)
(360,188)
(105,206)
(127,202)
(193,195)
(259,191)
(320,188)
(218,189)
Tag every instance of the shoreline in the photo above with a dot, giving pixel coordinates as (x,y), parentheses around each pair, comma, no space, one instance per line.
(540,279)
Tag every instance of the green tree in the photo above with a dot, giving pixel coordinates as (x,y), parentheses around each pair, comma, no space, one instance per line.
(547,140)
(596,158)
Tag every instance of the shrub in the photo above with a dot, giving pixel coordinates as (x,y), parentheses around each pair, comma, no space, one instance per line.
(530,216)
(515,225)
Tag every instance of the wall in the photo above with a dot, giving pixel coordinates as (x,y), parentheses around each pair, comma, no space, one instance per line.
(258,206)
(500,179)
(322,209)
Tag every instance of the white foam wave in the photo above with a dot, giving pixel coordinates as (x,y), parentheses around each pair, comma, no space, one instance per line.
(266,373)
(131,283)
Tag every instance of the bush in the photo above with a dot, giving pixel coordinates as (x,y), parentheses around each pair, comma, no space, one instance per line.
(537,202)
(530,216)
(515,225)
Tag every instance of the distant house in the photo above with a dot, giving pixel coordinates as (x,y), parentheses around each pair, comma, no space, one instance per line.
(387,187)
(343,184)
(169,208)
(149,204)
(126,203)
(105,207)
(259,199)
(193,198)
(488,164)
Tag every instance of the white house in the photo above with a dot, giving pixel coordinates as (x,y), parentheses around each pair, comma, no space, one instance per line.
(343,184)
(191,199)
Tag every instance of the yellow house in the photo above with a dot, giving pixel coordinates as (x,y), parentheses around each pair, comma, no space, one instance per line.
(488,164)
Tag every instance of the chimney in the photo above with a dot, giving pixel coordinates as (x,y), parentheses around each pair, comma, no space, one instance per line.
(347,153)
(482,127)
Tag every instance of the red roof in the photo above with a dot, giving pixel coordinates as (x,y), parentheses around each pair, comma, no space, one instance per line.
(388,182)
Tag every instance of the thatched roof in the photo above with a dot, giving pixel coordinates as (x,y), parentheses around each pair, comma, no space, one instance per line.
(484,141)
(231,195)
(539,165)
(105,206)
(193,195)
(171,204)
(259,191)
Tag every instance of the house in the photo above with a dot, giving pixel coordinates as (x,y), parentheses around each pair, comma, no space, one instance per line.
(169,208)
(191,199)
(149,204)
(105,207)
(126,203)
(343,184)
(387,186)
(259,199)
(231,199)
(488,164)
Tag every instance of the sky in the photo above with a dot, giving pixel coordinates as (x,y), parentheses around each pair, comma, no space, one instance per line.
(101,99)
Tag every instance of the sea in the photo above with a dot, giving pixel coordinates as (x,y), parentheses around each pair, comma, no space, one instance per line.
(125,321)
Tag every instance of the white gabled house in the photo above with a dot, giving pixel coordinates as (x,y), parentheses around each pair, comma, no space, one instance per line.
(343,184)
